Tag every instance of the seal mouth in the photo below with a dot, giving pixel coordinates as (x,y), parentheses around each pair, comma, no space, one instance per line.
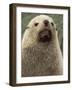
(45,35)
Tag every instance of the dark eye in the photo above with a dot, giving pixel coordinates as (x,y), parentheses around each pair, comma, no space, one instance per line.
(52,23)
(36,24)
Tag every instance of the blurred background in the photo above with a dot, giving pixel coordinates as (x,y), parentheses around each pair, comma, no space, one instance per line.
(58,19)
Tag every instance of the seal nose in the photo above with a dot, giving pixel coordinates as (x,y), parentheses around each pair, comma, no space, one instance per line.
(46,22)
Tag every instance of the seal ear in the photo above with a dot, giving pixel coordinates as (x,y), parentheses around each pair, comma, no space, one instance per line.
(27,27)
(56,30)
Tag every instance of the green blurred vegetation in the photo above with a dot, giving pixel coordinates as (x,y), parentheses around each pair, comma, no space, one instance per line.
(58,19)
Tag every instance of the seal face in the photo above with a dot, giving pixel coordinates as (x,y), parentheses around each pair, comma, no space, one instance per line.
(45,35)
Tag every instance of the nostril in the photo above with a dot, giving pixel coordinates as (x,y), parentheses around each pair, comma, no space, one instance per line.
(46,22)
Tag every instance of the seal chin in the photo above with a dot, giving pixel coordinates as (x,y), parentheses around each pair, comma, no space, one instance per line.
(45,35)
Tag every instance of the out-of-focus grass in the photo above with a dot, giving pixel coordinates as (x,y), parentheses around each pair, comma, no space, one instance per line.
(58,19)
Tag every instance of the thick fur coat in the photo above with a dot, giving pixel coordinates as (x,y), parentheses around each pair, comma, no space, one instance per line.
(41,54)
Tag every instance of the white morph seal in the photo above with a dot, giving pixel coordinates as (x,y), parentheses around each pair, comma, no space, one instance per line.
(41,54)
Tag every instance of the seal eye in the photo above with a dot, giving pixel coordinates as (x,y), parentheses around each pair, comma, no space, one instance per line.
(52,23)
(36,24)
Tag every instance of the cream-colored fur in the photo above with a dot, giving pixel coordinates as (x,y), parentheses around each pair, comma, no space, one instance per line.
(41,58)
